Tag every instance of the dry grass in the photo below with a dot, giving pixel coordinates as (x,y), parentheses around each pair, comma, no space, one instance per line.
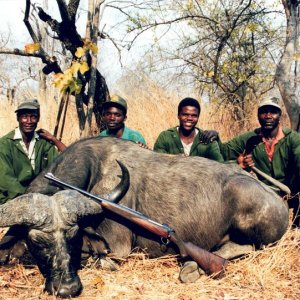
(272,273)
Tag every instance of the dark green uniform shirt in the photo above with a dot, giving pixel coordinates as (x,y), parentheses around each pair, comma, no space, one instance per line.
(16,171)
(169,142)
(285,165)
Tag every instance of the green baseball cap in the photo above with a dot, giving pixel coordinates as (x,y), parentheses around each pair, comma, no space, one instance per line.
(116,100)
(270,101)
(29,104)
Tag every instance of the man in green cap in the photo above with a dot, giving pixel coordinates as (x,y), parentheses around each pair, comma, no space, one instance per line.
(114,114)
(25,152)
(270,148)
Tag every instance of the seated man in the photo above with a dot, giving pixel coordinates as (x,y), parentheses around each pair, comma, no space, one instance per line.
(24,152)
(186,139)
(114,114)
(270,148)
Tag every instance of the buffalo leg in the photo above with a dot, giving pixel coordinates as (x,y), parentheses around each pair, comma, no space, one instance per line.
(232,250)
(9,242)
(190,272)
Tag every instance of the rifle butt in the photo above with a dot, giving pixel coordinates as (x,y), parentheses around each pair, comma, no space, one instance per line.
(211,263)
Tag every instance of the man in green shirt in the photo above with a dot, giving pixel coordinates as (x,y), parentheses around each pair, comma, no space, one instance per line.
(24,152)
(186,139)
(273,150)
(114,115)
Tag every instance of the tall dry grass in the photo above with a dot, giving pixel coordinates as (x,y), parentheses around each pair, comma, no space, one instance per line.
(151,109)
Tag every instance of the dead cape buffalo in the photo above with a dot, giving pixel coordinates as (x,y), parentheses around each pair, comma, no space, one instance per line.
(213,205)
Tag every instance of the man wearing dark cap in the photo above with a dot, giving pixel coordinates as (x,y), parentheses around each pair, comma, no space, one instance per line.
(24,152)
(185,139)
(114,114)
(270,148)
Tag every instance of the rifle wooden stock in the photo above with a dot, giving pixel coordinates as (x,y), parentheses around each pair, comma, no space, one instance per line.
(209,262)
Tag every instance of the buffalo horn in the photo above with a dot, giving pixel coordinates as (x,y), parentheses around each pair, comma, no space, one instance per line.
(115,195)
(121,189)
(25,210)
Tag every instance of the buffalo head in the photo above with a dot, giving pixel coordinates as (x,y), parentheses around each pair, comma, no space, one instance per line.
(54,228)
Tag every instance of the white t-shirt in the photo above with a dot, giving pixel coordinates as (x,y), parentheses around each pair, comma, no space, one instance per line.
(187,147)
(30,151)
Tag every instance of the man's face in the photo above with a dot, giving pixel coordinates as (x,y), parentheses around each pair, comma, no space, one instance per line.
(114,118)
(269,117)
(188,117)
(28,120)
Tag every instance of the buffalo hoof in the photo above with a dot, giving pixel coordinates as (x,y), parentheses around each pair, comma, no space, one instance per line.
(19,249)
(190,272)
(108,264)
(4,256)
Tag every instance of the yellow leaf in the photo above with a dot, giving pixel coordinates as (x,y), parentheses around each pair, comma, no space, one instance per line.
(68,74)
(79,52)
(251,27)
(58,76)
(83,67)
(210,74)
(75,86)
(94,48)
(31,48)
(297,56)
(57,81)
(86,43)
(75,67)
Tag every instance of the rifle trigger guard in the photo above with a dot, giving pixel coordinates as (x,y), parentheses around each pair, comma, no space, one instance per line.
(164,241)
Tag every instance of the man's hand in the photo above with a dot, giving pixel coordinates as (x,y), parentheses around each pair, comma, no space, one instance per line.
(209,136)
(43,133)
(245,161)
(143,145)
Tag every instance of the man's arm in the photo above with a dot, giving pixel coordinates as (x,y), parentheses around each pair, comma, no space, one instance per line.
(295,149)
(236,146)
(10,187)
(231,149)
(43,133)
(214,152)
(159,145)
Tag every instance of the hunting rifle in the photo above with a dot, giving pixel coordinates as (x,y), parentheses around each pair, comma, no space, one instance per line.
(209,262)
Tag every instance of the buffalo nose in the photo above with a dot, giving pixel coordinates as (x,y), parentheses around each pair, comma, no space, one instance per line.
(64,289)
(67,291)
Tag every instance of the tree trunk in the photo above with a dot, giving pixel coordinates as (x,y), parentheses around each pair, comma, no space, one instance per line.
(286,76)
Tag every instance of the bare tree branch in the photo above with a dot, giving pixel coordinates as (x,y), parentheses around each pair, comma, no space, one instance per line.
(72,9)
(63,9)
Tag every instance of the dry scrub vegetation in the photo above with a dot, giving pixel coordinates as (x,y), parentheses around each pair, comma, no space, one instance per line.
(272,273)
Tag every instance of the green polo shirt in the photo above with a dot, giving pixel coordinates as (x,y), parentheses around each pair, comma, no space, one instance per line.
(128,134)
(169,142)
